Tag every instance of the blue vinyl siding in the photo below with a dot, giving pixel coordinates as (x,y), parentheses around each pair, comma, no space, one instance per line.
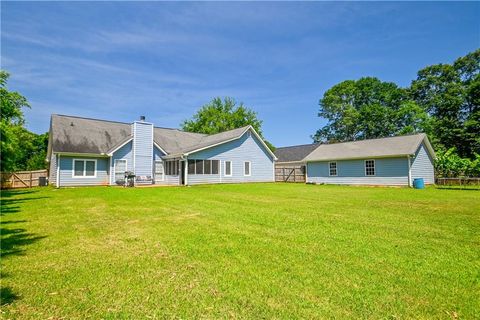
(388,171)
(422,165)
(143,148)
(66,171)
(157,154)
(124,153)
(246,148)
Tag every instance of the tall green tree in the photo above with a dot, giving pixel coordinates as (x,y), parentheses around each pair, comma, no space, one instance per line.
(20,148)
(221,115)
(368,108)
(450,94)
(11,123)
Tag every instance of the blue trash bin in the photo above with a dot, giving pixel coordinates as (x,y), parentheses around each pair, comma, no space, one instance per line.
(418,183)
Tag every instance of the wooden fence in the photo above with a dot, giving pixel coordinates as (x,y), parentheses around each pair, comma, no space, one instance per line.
(290,173)
(462,182)
(22,179)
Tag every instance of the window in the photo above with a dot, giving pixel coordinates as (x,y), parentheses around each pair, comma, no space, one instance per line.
(191,166)
(246,168)
(214,166)
(84,168)
(228,168)
(207,166)
(369,167)
(120,166)
(171,167)
(199,166)
(332,166)
(202,166)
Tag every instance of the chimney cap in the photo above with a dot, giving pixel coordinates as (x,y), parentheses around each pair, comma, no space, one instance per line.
(142,118)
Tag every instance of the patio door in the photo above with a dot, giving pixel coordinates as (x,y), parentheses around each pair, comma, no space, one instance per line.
(159,172)
(120,166)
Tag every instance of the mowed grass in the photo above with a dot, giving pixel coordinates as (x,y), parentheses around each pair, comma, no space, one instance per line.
(240,251)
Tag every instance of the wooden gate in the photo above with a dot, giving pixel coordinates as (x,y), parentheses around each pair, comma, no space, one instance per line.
(292,173)
(22,179)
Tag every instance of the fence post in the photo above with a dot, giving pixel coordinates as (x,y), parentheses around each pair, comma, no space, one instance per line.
(31,179)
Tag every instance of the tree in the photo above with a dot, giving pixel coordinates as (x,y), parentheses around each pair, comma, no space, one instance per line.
(20,148)
(450,94)
(368,108)
(11,123)
(222,115)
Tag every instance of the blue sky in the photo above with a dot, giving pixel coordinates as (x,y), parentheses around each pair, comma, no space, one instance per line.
(164,60)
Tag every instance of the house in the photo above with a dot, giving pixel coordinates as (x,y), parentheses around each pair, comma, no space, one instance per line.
(84,151)
(385,161)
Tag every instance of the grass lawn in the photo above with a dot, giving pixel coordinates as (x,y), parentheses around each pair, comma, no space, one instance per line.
(240,251)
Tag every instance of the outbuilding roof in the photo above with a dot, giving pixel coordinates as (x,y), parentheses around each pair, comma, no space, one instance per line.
(294,153)
(371,148)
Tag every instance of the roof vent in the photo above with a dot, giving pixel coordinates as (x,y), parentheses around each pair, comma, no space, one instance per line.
(142,118)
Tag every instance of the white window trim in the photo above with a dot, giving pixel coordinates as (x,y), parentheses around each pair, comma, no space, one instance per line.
(249,169)
(84,169)
(336,169)
(225,167)
(374,168)
(155,171)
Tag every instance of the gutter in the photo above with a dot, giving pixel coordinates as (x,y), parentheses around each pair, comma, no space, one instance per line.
(359,158)
(79,154)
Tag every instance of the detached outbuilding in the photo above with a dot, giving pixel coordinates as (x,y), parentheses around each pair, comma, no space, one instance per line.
(386,161)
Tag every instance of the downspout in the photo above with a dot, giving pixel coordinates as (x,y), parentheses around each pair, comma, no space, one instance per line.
(110,171)
(58,171)
(306,172)
(409,171)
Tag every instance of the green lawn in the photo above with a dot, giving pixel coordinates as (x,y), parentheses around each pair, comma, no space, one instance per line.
(240,251)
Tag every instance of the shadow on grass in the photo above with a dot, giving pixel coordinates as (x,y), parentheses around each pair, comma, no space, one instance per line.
(460,188)
(13,238)
(7,296)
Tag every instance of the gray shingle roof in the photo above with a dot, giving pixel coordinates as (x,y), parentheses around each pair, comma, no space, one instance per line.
(83,135)
(294,153)
(372,148)
(174,141)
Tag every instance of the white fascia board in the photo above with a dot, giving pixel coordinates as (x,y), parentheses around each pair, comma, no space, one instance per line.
(119,147)
(359,158)
(233,139)
(79,154)
(159,148)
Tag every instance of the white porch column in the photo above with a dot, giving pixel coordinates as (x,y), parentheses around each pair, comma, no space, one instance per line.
(186,171)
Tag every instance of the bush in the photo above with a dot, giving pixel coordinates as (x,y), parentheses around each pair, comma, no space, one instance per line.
(450,165)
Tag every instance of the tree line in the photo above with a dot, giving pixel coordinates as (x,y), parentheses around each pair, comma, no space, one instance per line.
(443,101)
(20,148)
